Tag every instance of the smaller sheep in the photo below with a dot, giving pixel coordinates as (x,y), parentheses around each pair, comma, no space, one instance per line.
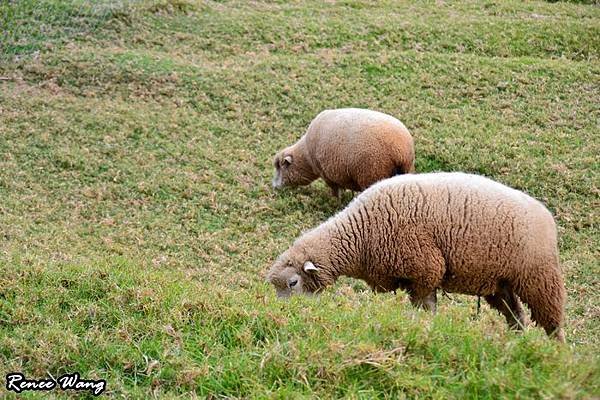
(349,148)
(452,231)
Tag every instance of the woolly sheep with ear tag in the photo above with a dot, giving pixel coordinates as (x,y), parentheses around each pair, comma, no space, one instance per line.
(457,232)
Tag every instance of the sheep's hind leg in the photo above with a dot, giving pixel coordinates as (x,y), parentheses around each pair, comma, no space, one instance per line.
(508,304)
(545,296)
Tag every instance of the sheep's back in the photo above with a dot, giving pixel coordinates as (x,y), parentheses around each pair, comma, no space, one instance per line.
(343,142)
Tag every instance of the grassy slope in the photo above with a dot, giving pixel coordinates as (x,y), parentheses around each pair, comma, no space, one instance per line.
(137,219)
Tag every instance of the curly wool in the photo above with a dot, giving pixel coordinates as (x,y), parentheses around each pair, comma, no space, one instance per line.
(457,232)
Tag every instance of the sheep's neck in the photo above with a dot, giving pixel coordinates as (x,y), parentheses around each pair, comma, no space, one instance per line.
(303,161)
(345,250)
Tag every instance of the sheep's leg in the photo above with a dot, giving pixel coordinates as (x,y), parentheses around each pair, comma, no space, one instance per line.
(335,192)
(335,189)
(420,296)
(423,275)
(544,293)
(423,298)
(384,284)
(509,305)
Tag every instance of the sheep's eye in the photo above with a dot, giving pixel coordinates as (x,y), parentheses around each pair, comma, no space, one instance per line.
(292,282)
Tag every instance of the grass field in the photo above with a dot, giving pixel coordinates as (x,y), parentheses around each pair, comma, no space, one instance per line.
(137,218)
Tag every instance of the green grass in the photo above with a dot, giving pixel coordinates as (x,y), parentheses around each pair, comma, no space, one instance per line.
(137,219)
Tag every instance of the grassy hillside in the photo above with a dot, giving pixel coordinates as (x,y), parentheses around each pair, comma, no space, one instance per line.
(137,218)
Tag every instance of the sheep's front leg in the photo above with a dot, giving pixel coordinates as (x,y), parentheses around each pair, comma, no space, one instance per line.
(335,191)
(384,284)
(424,298)
(424,276)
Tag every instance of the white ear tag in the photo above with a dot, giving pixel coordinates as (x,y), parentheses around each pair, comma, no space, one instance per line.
(309,267)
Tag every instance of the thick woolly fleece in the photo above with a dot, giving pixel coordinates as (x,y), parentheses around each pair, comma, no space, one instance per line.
(457,232)
(348,148)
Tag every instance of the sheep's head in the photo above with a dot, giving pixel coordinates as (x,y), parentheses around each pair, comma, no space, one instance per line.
(291,169)
(291,275)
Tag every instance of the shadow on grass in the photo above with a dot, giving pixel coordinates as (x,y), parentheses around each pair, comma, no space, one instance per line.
(314,199)
(433,163)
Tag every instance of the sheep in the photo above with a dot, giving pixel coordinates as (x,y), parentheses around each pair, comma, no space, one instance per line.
(349,148)
(457,232)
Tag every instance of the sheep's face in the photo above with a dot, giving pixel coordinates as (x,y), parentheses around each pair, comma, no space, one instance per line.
(290,277)
(291,170)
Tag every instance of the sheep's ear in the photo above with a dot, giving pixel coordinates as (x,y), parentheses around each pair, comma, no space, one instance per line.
(309,267)
(287,160)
